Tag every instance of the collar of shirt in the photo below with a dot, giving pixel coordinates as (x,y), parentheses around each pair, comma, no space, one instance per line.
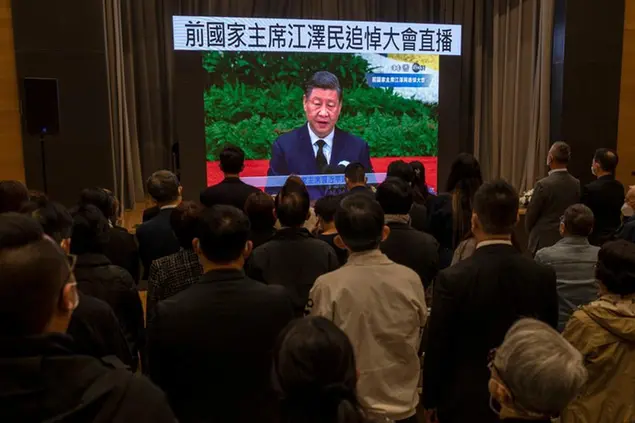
(169,206)
(557,170)
(328,147)
(374,256)
(493,242)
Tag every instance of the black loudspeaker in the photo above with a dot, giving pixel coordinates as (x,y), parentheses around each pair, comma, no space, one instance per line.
(41,106)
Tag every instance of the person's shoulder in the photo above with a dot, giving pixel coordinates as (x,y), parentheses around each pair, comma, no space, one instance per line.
(145,402)
(291,136)
(350,138)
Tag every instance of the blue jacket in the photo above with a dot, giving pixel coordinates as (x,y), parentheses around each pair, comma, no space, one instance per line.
(292,154)
(573,259)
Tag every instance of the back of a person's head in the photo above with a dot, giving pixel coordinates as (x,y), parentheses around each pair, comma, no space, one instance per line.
(395,196)
(315,373)
(223,233)
(260,209)
(496,206)
(293,209)
(607,159)
(419,183)
(34,270)
(360,222)
(56,221)
(616,267)
(13,195)
(355,173)
(465,174)
(99,198)
(232,160)
(578,220)
(164,187)
(90,230)
(326,207)
(402,170)
(541,370)
(184,221)
(560,152)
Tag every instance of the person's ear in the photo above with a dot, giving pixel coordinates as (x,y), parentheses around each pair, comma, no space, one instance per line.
(339,243)
(249,247)
(70,298)
(475,222)
(66,245)
(561,229)
(502,394)
(385,233)
(347,181)
(180,190)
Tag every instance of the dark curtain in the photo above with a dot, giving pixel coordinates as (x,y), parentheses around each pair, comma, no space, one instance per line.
(148,25)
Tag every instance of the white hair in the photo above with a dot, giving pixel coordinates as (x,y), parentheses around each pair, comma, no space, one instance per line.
(541,369)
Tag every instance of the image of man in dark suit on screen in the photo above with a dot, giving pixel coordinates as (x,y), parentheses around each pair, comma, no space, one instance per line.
(318,147)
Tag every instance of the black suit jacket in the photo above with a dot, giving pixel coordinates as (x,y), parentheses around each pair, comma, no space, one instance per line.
(414,249)
(232,192)
(294,259)
(156,240)
(605,197)
(475,302)
(151,213)
(211,348)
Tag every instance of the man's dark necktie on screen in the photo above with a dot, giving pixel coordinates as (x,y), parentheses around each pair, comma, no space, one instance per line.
(320,158)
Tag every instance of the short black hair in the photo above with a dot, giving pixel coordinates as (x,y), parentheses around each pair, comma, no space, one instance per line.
(90,230)
(355,173)
(260,208)
(360,222)
(324,80)
(13,195)
(223,232)
(101,199)
(293,208)
(402,170)
(616,267)
(163,186)
(496,205)
(56,221)
(578,220)
(394,196)
(34,271)
(326,207)
(561,152)
(184,220)
(607,159)
(232,160)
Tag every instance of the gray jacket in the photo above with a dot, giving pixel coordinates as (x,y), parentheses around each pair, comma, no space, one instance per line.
(573,260)
(552,195)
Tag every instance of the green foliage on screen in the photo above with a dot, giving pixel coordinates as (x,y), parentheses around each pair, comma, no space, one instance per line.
(255,97)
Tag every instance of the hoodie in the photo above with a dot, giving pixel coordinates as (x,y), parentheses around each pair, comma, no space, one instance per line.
(42,380)
(604,332)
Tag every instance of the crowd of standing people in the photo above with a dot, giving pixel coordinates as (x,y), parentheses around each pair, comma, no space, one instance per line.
(382,304)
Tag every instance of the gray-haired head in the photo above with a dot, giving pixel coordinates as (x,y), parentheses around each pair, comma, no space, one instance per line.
(578,220)
(560,152)
(324,80)
(539,367)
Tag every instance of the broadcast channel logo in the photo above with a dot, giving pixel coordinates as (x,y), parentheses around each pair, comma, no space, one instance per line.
(416,67)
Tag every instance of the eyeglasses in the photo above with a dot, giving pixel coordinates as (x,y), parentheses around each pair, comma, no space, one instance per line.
(562,219)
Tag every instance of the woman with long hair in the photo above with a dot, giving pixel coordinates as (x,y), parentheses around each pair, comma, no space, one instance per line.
(450,216)
(315,375)
(419,185)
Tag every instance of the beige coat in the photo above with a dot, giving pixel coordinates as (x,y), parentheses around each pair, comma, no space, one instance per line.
(604,332)
(381,306)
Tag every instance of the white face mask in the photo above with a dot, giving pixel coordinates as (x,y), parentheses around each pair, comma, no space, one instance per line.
(593,170)
(627,210)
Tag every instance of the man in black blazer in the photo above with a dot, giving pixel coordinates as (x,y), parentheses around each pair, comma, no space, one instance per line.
(419,212)
(356,181)
(318,147)
(406,245)
(211,344)
(231,191)
(155,237)
(604,196)
(552,196)
(475,302)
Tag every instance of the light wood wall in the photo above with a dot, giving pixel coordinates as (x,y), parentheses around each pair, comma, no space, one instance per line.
(626,130)
(11,156)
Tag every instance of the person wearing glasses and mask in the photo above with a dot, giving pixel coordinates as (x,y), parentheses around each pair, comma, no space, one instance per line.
(627,230)
(42,377)
(534,374)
